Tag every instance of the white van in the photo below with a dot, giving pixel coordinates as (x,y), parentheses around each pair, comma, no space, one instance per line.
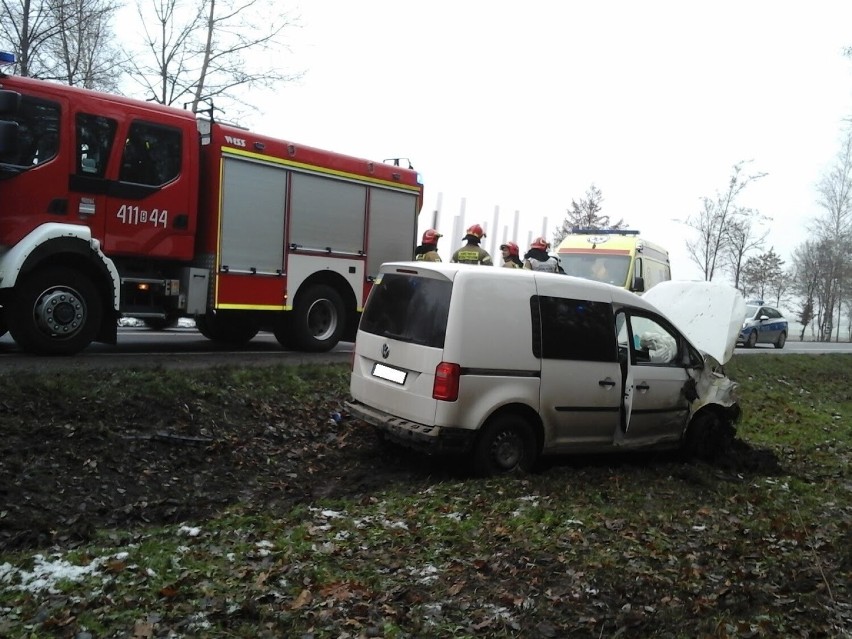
(509,364)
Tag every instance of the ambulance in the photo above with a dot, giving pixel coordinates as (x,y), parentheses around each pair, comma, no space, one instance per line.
(614,256)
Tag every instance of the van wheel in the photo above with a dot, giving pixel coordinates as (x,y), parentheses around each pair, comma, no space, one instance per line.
(751,342)
(708,436)
(55,311)
(505,445)
(782,339)
(318,320)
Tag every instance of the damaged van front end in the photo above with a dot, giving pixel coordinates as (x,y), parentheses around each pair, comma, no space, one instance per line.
(708,315)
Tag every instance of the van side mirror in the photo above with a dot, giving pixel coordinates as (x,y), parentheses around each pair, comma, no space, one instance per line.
(8,140)
(638,284)
(10,102)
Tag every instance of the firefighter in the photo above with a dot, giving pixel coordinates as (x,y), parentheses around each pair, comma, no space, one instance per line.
(471,252)
(428,250)
(510,255)
(537,258)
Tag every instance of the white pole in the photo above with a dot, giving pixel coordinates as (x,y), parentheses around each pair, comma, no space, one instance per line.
(494,233)
(436,214)
(515,237)
(458,228)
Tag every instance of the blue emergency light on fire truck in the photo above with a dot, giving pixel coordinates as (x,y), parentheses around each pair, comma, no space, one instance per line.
(115,207)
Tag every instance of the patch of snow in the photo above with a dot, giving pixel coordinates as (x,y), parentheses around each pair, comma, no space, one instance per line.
(46,573)
(426,575)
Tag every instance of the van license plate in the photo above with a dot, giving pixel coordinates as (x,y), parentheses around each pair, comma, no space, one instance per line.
(391,374)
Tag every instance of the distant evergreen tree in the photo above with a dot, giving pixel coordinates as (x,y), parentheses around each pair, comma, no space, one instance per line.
(585,214)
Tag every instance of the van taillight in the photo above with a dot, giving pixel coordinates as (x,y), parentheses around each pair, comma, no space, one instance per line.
(446,386)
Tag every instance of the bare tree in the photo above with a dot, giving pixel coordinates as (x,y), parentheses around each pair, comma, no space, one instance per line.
(25,27)
(805,279)
(67,40)
(83,50)
(742,240)
(714,221)
(585,214)
(834,231)
(764,274)
(212,50)
(167,76)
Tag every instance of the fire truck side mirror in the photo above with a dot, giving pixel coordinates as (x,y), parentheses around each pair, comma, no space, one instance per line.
(8,140)
(10,102)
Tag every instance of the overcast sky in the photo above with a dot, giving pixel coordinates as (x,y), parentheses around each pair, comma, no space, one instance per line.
(523,105)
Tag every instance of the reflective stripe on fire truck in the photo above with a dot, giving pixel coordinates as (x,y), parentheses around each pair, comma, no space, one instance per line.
(313,168)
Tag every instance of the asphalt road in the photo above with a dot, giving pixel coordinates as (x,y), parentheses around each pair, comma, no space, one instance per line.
(797,348)
(187,348)
(172,348)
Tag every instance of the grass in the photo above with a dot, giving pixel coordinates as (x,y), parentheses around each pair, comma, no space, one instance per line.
(647,546)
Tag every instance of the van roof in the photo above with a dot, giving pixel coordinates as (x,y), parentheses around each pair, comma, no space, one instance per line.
(454,270)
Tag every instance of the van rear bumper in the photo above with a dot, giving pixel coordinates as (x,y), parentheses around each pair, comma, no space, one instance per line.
(431,439)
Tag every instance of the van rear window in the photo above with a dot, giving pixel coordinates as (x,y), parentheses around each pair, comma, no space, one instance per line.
(409,308)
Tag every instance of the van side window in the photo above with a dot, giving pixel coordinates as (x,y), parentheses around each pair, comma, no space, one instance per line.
(152,154)
(94,140)
(577,330)
(650,341)
(38,132)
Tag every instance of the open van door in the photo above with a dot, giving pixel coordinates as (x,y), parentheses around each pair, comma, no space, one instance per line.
(655,407)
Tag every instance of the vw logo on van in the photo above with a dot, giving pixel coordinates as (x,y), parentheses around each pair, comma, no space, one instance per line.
(385,351)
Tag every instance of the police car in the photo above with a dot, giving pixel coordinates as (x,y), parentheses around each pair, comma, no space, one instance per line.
(763,325)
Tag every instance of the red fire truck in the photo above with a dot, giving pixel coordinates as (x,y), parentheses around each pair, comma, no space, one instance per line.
(111,206)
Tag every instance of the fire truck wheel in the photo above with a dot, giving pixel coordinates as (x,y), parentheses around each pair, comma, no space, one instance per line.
(234,329)
(55,311)
(283,331)
(318,319)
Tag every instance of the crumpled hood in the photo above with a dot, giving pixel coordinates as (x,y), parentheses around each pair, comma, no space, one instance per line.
(710,314)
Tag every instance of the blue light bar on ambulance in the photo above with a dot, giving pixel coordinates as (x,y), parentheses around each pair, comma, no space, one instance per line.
(585,230)
(7,58)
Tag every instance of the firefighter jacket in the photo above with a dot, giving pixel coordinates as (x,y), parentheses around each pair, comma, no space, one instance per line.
(539,260)
(472,254)
(512,262)
(427,253)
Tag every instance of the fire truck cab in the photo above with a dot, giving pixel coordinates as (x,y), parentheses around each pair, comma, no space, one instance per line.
(111,206)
